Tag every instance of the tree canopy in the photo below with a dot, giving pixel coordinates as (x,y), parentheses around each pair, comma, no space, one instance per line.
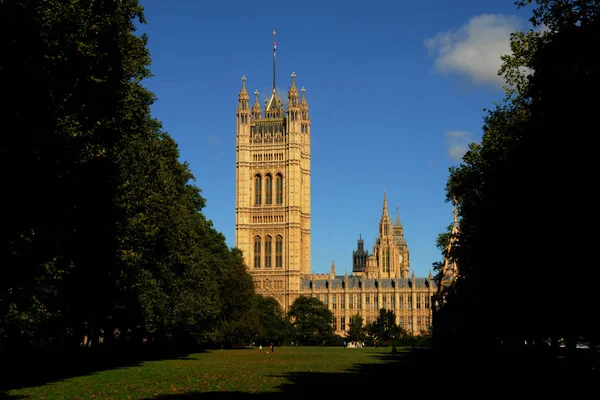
(311,321)
(109,233)
(525,264)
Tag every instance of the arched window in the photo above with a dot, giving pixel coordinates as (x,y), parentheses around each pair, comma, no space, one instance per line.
(268,189)
(268,242)
(279,251)
(257,252)
(279,189)
(257,190)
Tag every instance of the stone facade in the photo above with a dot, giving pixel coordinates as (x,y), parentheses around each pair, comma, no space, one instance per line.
(273,223)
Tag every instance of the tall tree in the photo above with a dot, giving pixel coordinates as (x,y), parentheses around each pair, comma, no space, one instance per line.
(515,257)
(356,331)
(109,232)
(311,320)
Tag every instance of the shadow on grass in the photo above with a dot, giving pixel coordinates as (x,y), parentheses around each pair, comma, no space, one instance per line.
(38,367)
(423,372)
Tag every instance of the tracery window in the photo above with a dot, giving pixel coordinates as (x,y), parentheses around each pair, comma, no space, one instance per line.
(256,252)
(279,189)
(268,190)
(257,190)
(268,242)
(279,251)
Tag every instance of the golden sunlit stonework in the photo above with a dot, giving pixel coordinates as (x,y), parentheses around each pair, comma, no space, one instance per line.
(273,223)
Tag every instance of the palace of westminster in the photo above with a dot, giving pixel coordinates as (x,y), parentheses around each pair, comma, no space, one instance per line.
(273,224)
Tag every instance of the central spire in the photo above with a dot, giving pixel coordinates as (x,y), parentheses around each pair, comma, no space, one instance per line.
(385,205)
(274,58)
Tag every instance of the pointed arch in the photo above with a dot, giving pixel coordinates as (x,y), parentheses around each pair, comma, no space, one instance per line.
(279,188)
(268,251)
(279,251)
(257,248)
(268,189)
(257,190)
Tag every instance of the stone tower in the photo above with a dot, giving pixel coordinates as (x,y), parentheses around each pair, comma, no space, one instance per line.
(273,190)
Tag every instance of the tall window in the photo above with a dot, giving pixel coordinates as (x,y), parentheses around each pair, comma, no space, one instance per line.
(256,252)
(418,302)
(427,302)
(257,190)
(268,190)
(279,251)
(342,323)
(387,260)
(268,242)
(279,189)
(410,303)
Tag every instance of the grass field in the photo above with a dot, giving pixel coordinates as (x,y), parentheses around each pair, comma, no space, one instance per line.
(222,373)
(291,372)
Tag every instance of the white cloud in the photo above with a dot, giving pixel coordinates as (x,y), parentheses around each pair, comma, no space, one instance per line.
(458,143)
(474,49)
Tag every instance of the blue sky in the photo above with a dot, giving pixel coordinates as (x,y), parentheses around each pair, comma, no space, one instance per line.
(396,91)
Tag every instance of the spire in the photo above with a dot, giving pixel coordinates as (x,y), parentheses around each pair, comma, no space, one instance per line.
(385,205)
(256,110)
(397,221)
(243,100)
(293,93)
(455,213)
(243,93)
(303,100)
(450,268)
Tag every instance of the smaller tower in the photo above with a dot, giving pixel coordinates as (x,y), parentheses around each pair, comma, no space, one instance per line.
(359,257)
(403,256)
(450,269)
(243,110)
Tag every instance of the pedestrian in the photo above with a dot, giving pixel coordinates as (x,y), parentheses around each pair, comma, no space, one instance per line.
(272,347)
(260,348)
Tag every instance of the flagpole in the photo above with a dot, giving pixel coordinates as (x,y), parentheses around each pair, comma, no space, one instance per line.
(274,53)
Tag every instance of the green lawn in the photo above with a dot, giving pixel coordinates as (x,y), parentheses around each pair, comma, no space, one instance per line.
(287,370)
(294,372)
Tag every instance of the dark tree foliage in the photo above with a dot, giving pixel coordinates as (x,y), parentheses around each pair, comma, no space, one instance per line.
(384,328)
(311,321)
(272,325)
(526,264)
(356,331)
(107,231)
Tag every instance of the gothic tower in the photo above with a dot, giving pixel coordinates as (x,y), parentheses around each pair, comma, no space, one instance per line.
(390,253)
(273,190)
